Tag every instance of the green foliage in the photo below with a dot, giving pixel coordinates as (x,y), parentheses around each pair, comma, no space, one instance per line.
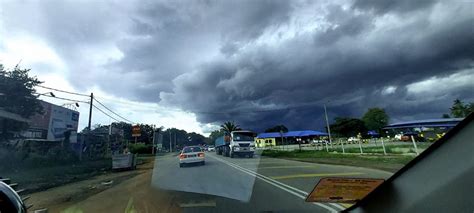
(446,116)
(61,154)
(139,148)
(229,126)
(18,93)
(277,128)
(348,127)
(375,119)
(461,110)
(215,134)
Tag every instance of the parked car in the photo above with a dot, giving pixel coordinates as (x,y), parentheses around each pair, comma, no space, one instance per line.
(353,139)
(191,155)
(211,149)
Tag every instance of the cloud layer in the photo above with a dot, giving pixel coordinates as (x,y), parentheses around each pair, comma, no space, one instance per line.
(262,63)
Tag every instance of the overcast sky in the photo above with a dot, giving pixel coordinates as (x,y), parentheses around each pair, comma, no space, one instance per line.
(195,64)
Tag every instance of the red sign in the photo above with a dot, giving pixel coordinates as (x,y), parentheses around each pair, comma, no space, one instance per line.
(136,132)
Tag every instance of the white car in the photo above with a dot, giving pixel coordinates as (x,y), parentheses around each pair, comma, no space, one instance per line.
(191,155)
(211,149)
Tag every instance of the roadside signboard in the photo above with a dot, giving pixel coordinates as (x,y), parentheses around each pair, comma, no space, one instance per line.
(342,190)
(136,132)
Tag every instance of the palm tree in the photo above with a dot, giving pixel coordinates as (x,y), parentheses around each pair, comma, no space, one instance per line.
(229,126)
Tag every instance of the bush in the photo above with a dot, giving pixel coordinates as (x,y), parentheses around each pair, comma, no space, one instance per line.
(140,148)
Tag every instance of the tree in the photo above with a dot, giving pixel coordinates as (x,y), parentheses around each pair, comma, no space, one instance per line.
(461,110)
(214,135)
(229,126)
(18,92)
(458,109)
(375,119)
(348,127)
(18,95)
(277,128)
(446,116)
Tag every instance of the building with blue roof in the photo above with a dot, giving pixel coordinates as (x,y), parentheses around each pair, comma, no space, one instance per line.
(429,129)
(291,137)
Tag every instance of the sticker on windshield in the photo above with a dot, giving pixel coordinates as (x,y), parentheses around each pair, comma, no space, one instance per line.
(342,190)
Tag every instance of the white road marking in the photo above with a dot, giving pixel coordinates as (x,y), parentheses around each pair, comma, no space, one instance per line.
(294,191)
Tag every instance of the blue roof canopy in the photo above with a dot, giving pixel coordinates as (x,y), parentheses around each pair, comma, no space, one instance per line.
(304,133)
(447,122)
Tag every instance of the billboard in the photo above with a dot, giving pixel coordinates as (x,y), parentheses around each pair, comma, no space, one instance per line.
(55,122)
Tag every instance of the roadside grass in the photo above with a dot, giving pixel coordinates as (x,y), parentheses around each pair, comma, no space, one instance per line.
(390,163)
(37,173)
(390,149)
(44,177)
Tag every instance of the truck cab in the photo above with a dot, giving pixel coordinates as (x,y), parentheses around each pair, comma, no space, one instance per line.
(242,143)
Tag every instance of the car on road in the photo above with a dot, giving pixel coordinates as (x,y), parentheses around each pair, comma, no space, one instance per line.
(211,149)
(191,155)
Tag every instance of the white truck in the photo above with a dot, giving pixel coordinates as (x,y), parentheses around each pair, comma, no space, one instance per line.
(237,143)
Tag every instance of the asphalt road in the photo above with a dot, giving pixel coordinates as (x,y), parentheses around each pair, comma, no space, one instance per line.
(248,185)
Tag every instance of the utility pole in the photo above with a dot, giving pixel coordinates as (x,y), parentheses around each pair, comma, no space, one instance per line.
(90,111)
(327,124)
(175,140)
(89,128)
(153,141)
(171,150)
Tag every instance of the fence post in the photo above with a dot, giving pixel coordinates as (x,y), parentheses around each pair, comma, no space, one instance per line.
(414,144)
(342,145)
(383,146)
(325,142)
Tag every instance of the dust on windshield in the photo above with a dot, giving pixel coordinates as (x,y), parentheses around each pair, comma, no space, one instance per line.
(98,100)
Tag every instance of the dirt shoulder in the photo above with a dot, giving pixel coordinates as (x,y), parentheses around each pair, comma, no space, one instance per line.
(63,197)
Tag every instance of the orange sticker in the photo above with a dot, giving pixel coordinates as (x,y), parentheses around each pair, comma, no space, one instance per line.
(342,190)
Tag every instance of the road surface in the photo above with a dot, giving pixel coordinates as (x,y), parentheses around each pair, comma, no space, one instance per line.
(248,185)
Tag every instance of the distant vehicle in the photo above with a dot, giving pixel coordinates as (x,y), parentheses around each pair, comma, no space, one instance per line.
(211,149)
(353,139)
(238,143)
(191,155)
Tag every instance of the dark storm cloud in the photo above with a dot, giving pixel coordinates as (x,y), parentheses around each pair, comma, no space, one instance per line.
(401,6)
(348,64)
(262,63)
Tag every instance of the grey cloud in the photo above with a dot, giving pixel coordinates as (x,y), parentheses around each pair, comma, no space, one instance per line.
(400,6)
(208,57)
(345,70)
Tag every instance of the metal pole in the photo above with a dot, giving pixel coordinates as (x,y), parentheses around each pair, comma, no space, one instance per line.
(327,123)
(414,144)
(326,143)
(171,150)
(153,142)
(360,147)
(281,134)
(342,145)
(175,140)
(383,146)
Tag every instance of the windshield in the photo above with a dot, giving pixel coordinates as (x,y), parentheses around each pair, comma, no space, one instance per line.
(243,136)
(192,149)
(225,106)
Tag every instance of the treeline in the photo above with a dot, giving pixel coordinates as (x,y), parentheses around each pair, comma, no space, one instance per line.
(177,137)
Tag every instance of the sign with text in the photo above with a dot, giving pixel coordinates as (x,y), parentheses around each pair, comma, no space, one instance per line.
(342,190)
(136,132)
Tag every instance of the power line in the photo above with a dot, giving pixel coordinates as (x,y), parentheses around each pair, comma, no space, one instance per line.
(73,93)
(66,99)
(105,113)
(113,111)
